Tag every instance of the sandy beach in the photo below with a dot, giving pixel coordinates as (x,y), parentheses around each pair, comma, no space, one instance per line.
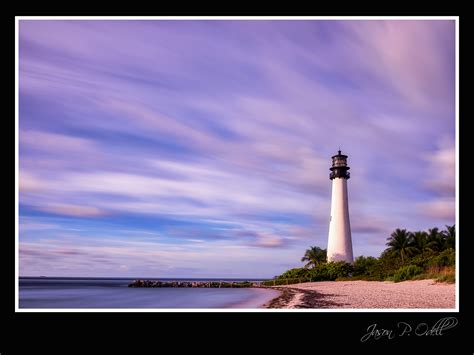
(366,294)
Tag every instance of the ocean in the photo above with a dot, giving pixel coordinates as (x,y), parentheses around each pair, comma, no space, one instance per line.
(47,292)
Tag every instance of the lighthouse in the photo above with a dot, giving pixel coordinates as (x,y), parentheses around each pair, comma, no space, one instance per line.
(340,239)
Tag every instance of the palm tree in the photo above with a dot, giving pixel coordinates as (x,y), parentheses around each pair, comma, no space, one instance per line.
(450,237)
(400,243)
(314,256)
(435,240)
(420,242)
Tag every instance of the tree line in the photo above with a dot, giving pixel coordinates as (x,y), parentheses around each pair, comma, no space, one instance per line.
(409,255)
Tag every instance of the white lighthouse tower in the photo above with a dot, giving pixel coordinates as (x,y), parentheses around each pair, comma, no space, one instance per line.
(340,239)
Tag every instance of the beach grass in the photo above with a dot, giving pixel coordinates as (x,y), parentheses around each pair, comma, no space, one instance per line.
(440,274)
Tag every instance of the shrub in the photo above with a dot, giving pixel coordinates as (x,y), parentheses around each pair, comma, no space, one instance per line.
(386,265)
(365,266)
(421,260)
(331,271)
(339,269)
(320,273)
(445,258)
(299,272)
(446,278)
(407,273)
(440,274)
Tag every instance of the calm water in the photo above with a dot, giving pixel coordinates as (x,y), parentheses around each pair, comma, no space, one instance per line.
(114,293)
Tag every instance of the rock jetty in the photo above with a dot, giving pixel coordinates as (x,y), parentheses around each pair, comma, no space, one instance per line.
(208,284)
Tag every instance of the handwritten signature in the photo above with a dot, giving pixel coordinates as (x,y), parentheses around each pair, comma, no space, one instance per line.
(406,329)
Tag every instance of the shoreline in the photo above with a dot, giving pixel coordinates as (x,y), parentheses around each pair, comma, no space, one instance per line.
(365,294)
(291,298)
(262,296)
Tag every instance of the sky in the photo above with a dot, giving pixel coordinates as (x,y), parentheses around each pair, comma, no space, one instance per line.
(202,148)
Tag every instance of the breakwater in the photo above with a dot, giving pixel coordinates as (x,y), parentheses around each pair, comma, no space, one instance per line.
(203,284)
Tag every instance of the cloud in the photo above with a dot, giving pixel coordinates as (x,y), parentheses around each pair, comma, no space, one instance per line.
(51,142)
(74,257)
(441,180)
(443,208)
(269,241)
(399,53)
(182,188)
(261,239)
(30,183)
(73,210)
(442,169)
(367,228)
(28,224)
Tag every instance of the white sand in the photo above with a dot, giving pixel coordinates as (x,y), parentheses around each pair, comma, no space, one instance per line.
(370,294)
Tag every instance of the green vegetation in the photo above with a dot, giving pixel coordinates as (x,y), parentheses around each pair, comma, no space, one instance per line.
(314,256)
(440,274)
(407,272)
(321,272)
(401,243)
(409,256)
